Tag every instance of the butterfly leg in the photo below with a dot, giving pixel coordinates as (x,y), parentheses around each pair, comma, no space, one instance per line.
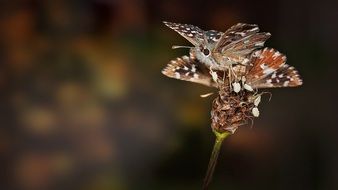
(233,82)
(229,76)
(233,72)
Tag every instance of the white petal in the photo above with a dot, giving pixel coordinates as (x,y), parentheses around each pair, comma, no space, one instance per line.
(248,87)
(236,86)
(257,100)
(255,112)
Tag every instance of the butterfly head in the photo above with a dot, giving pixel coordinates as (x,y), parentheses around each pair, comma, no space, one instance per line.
(203,53)
(204,41)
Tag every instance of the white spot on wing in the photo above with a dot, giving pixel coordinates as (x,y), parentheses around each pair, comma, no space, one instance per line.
(241,33)
(268,71)
(273,75)
(193,69)
(177,75)
(251,30)
(286,83)
(275,55)
(259,44)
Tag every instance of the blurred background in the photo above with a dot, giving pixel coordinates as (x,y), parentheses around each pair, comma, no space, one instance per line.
(84,106)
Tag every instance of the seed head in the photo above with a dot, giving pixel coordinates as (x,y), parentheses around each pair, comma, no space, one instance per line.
(231,110)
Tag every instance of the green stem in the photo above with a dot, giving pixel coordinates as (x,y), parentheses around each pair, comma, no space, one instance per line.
(213,158)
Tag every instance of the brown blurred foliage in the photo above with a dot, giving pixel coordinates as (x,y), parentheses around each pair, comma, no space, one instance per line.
(84,106)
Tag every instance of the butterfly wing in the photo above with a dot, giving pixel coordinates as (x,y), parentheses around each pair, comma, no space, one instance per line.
(269,70)
(239,41)
(189,69)
(190,32)
(235,33)
(213,36)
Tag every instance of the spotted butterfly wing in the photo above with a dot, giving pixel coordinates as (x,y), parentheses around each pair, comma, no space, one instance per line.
(190,32)
(268,70)
(190,69)
(236,33)
(194,34)
(238,42)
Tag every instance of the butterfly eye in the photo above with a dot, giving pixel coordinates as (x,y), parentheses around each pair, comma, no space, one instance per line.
(206,52)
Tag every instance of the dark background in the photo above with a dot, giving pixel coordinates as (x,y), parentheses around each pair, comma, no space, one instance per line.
(83,104)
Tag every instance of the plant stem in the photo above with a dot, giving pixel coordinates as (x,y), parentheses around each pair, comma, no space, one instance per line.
(213,158)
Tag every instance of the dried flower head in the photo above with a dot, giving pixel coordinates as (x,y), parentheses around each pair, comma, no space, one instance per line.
(231,110)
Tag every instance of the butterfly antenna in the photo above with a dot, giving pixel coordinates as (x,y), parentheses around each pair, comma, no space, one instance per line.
(176,47)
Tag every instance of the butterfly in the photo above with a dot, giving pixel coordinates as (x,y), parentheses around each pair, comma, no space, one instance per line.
(239,47)
(266,68)
(219,50)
